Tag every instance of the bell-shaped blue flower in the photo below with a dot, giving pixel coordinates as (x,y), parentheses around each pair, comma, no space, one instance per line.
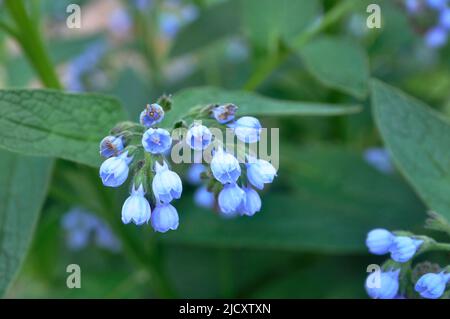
(382,285)
(247,129)
(260,172)
(164,218)
(136,208)
(432,286)
(224,113)
(166,184)
(403,248)
(153,114)
(194,173)
(230,198)
(204,198)
(225,167)
(156,141)
(111,146)
(379,241)
(198,137)
(114,171)
(251,202)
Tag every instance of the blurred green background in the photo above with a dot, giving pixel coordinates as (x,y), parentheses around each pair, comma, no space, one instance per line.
(335,183)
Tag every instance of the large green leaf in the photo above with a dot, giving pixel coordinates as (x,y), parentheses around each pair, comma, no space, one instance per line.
(419,140)
(267,21)
(250,104)
(56,124)
(23,185)
(329,200)
(214,23)
(338,63)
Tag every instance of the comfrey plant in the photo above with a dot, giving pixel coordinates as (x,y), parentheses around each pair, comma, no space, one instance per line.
(398,279)
(146,150)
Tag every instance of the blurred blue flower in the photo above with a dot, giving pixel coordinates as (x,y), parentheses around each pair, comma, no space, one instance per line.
(114,171)
(224,113)
(432,286)
(230,198)
(260,172)
(379,158)
(383,285)
(444,18)
(204,198)
(379,241)
(166,184)
(153,114)
(111,146)
(225,167)
(156,141)
(198,137)
(437,4)
(413,6)
(143,4)
(120,22)
(247,129)
(436,37)
(164,218)
(403,248)
(136,208)
(194,173)
(169,24)
(251,202)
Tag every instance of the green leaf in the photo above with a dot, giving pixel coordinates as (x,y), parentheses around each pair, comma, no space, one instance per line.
(330,199)
(23,185)
(339,64)
(56,124)
(419,140)
(267,21)
(250,104)
(214,23)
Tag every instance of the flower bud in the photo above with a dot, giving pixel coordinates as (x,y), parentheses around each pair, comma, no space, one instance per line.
(198,137)
(136,208)
(251,202)
(260,172)
(111,146)
(432,286)
(403,248)
(204,198)
(224,113)
(153,114)
(247,129)
(230,198)
(194,174)
(382,285)
(156,141)
(225,167)
(164,218)
(166,184)
(114,171)
(379,241)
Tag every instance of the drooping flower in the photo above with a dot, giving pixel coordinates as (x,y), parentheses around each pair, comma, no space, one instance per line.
(156,141)
(225,167)
(111,146)
(114,170)
(204,198)
(251,202)
(230,198)
(260,172)
(164,218)
(379,241)
(166,184)
(224,113)
(403,248)
(383,285)
(247,129)
(432,286)
(153,114)
(198,137)
(136,208)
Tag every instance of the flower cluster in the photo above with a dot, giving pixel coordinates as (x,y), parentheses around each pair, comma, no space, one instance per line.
(144,149)
(402,248)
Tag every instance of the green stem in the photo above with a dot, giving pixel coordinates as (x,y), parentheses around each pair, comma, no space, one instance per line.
(29,38)
(273,61)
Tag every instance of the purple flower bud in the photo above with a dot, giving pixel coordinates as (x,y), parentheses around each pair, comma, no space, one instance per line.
(403,248)
(432,286)
(224,113)
(382,285)
(153,114)
(379,241)
(111,146)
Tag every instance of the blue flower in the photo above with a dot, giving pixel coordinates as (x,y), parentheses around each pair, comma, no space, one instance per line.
(153,114)
(251,202)
(156,141)
(247,129)
(194,173)
(114,171)
(382,285)
(111,146)
(437,4)
(164,218)
(379,159)
(166,184)
(225,167)
(136,208)
(204,198)
(432,286)
(403,248)
(224,113)
(412,6)
(260,172)
(379,241)
(230,198)
(436,37)
(444,18)
(198,137)
(120,22)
